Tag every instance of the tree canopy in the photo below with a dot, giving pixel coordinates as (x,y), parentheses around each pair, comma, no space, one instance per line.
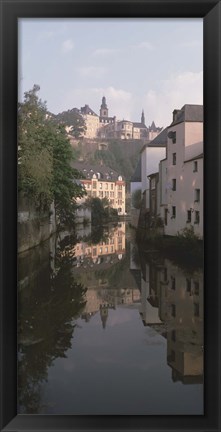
(73,119)
(44,157)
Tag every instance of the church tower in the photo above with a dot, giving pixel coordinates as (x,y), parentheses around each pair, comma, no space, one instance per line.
(104,109)
(142,118)
(103,315)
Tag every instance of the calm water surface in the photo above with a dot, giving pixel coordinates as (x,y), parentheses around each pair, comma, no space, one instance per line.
(105,329)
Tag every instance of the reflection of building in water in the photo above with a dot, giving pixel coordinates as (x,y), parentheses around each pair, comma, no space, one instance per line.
(149,309)
(106,275)
(103,299)
(88,254)
(185,318)
(174,297)
(135,264)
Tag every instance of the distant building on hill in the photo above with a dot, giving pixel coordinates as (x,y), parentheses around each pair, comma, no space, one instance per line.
(107,127)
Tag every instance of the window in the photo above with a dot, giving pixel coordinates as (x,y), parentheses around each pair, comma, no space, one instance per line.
(173,283)
(196,309)
(101,185)
(188,285)
(165,274)
(94,185)
(196,288)
(195,166)
(174,158)
(197,195)
(106,185)
(112,186)
(165,216)
(171,357)
(173,184)
(189,213)
(197,217)
(173,335)
(173,310)
(173,212)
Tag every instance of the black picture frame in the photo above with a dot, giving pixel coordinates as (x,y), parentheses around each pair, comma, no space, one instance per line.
(210,11)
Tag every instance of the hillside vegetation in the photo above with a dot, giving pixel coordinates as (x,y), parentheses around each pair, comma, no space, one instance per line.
(121,156)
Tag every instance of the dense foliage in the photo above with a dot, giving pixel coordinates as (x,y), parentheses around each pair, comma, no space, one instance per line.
(44,157)
(73,119)
(101,211)
(120,156)
(137,199)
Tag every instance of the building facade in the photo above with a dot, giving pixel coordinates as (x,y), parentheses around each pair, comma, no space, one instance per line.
(181,173)
(150,155)
(174,193)
(102,182)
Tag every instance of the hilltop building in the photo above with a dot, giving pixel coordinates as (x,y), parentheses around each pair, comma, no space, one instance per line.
(107,127)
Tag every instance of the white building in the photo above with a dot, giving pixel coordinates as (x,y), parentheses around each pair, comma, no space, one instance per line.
(181,173)
(151,154)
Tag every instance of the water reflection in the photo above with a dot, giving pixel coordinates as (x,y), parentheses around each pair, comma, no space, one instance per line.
(48,302)
(172,305)
(73,287)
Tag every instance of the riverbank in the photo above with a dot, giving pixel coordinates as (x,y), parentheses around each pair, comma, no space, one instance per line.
(180,248)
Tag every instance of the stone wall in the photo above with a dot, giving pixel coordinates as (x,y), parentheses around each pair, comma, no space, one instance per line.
(33,227)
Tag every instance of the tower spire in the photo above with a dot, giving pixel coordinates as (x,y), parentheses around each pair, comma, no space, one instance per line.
(142,117)
(104,108)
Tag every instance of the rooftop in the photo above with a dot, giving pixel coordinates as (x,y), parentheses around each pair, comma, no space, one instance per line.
(159,141)
(88,171)
(193,151)
(87,110)
(188,113)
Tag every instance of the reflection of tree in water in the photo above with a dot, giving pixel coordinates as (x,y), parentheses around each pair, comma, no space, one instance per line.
(100,234)
(47,308)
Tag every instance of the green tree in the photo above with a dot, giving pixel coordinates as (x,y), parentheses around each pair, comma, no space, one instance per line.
(137,199)
(74,119)
(44,156)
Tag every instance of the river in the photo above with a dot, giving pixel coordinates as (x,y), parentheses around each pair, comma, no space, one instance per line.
(105,329)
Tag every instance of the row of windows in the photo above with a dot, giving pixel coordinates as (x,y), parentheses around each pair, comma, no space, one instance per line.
(101,185)
(189,215)
(188,285)
(196,191)
(196,218)
(195,163)
(106,194)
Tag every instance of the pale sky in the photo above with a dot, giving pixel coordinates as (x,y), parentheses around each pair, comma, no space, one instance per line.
(150,64)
